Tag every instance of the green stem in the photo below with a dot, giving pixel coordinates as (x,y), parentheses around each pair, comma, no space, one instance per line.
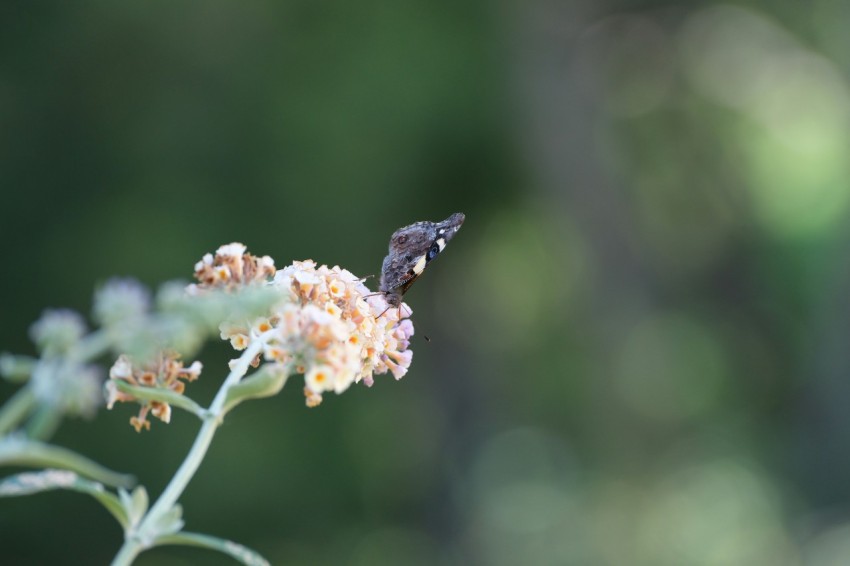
(95,344)
(164,395)
(16,409)
(142,537)
(127,554)
(44,423)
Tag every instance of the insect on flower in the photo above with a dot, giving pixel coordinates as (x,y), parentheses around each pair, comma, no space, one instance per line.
(412,249)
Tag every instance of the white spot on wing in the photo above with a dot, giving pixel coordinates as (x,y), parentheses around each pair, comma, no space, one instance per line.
(441,243)
(420,266)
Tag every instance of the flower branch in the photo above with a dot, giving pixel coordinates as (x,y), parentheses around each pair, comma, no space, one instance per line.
(318,321)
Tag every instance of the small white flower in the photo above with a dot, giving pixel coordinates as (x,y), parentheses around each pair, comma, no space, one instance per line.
(162,411)
(319,378)
(306,278)
(205,261)
(231,250)
(231,268)
(193,371)
(239,341)
(261,325)
(266,262)
(333,310)
(121,369)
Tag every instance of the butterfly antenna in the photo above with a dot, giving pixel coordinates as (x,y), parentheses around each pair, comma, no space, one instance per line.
(373,294)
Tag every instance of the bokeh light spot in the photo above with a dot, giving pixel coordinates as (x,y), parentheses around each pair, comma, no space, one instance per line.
(718,512)
(671,368)
(799,100)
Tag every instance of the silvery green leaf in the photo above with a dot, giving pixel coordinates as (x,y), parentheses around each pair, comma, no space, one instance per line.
(20,451)
(137,505)
(16,369)
(268,381)
(28,483)
(158,394)
(241,553)
(256,301)
(169,523)
(208,309)
(124,497)
(180,334)
(138,339)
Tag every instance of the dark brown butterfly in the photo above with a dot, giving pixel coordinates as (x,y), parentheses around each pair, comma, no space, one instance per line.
(412,249)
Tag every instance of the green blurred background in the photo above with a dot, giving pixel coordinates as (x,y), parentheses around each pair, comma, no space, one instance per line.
(639,340)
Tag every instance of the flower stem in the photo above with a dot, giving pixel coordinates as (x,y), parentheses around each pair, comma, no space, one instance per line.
(92,346)
(143,536)
(127,554)
(16,409)
(44,423)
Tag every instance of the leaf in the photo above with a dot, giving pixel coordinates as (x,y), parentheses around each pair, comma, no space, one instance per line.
(209,309)
(241,553)
(28,483)
(169,522)
(16,369)
(266,382)
(16,409)
(163,395)
(140,501)
(19,451)
(134,504)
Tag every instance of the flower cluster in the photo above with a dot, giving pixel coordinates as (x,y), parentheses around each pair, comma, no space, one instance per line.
(165,372)
(329,328)
(69,386)
(120,302)
(231,268)
(57,331)
(323,323)
(60,380)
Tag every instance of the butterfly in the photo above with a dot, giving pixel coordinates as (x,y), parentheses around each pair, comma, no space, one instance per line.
(412,249)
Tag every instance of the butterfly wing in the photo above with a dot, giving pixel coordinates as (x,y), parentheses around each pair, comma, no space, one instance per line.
(406,259)
(412,248)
